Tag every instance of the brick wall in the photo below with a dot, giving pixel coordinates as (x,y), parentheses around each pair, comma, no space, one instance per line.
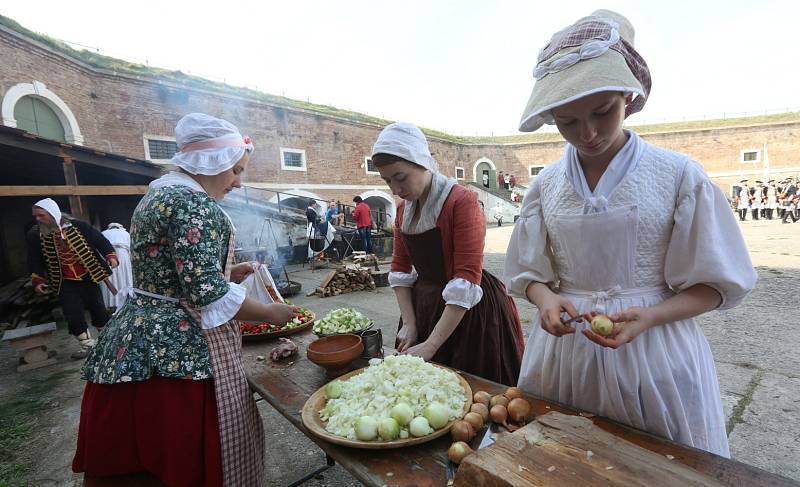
(114,113)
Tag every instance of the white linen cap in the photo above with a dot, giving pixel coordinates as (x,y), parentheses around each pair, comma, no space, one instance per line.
(50,206)
(208,145)
(405,140)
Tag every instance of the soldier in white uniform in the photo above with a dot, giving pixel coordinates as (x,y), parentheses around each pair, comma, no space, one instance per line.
(772,198)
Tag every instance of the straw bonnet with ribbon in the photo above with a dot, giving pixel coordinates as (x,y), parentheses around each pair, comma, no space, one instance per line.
(208,145)
(594,54)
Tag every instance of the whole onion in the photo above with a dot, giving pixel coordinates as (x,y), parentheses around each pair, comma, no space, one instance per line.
(481,409)
(482,397)
(518,409)
(498,399)
(475,419)
(462,431)
(499,414)
(458,451)
(513,393)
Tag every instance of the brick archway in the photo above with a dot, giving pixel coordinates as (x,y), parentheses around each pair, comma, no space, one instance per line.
(37,89)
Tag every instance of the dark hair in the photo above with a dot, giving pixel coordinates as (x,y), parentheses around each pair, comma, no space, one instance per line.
(382,159)
(357,199)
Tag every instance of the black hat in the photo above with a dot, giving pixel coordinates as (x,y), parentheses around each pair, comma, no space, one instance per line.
(759,182)
(743,181)
(771,181)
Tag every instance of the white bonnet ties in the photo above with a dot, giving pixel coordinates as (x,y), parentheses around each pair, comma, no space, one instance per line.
(208,145)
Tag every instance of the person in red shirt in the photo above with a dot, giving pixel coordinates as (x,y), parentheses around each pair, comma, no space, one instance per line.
(363,223)
(452,311)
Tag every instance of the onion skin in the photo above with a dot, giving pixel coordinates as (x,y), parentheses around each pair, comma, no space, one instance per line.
(498,399)
(518,409)
(481,409)
(475,419)
(462,431)
(513,393)
(482,397)
(499,414)
(458,451)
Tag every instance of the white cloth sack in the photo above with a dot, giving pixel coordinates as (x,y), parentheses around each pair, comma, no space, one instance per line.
(256,286)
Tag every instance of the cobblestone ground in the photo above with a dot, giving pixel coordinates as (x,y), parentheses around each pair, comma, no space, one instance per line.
(755,349)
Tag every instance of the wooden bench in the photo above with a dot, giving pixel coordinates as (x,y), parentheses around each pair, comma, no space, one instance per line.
(31,342)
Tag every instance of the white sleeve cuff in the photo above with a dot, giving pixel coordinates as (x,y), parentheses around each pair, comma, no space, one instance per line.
(402,279)
(462,293)
(224,309)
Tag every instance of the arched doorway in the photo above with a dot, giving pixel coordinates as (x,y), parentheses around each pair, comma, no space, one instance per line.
(383,204)
(482,166)
(41,112)
(34,116)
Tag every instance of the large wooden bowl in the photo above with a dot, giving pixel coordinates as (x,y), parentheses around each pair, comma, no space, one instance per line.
(316,425)
(334,353)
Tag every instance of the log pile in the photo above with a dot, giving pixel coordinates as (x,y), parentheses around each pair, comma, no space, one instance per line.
(20,306)
(364,259)
(345,280)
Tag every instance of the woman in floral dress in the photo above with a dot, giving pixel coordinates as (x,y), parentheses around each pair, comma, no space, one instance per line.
(166,390)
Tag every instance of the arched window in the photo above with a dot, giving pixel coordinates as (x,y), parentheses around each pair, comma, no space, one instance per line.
(42,112)
(34,116)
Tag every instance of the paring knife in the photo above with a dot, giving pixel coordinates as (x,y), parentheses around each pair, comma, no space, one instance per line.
(488,438)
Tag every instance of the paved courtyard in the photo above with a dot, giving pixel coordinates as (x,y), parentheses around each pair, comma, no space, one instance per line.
(755,347)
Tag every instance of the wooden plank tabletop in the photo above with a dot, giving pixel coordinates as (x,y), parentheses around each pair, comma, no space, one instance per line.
(287,386)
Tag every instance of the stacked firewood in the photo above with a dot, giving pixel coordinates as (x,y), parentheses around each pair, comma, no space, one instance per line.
(363,258)
(345,280)
(20,306)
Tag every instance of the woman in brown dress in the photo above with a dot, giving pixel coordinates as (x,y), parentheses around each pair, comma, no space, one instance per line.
(452,311)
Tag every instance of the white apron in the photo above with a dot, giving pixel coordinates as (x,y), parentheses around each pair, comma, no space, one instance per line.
(664,381)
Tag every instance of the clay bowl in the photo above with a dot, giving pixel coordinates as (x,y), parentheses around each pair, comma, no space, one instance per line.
(334,353)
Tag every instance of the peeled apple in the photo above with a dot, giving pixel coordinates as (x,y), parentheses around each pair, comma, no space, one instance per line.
(388,429)
(419,427)
(602,325)
(436,414)
(402,413)
(366,428)
(333,390)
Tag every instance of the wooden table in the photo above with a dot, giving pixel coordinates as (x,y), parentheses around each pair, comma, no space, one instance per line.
(287,386)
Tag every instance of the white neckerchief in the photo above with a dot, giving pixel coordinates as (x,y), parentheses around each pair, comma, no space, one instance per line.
(175,178)
(621,164)
(440,190)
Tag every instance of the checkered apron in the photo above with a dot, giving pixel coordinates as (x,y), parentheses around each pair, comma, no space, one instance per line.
(240,428)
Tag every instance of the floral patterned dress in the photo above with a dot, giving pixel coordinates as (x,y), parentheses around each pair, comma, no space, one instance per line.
(180,244)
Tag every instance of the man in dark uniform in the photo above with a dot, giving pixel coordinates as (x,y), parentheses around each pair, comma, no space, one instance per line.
(70,258)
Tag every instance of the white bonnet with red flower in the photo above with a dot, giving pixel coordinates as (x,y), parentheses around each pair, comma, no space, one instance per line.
(208,145)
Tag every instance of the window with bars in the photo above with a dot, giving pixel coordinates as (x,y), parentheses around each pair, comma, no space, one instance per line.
(161,149)
(750,156)
(293,159)
(369,166)
(534,170)
(459,173)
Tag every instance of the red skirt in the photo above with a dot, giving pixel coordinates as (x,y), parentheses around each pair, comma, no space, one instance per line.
(167,427)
